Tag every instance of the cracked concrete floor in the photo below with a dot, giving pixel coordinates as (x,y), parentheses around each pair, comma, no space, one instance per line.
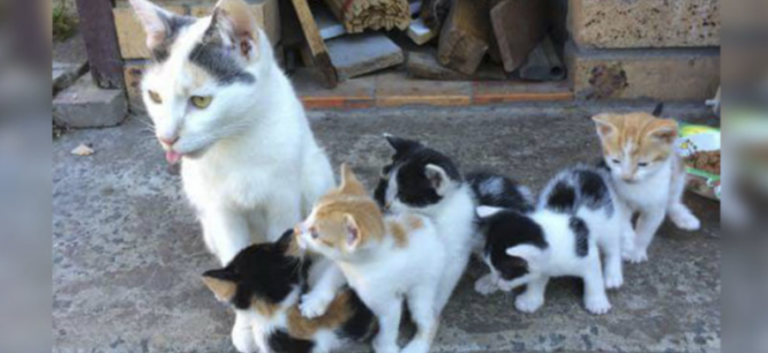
(127,250)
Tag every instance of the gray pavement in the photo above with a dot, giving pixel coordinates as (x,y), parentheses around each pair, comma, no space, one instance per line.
(127,250)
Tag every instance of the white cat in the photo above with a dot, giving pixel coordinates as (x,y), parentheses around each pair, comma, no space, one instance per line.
(221,104)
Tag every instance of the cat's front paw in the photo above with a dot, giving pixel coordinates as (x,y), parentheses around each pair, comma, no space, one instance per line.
(598,305)
(313,305)
(528,303)
(416,347)
(685,220)
(379,347)
(614,280)
(635,256)
(486,285)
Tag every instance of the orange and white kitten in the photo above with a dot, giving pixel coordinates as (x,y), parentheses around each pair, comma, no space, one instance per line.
(385,259)
(648,174)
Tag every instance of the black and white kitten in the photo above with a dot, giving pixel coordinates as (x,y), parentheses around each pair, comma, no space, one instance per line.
(577,217)
(425,181)
(263,284)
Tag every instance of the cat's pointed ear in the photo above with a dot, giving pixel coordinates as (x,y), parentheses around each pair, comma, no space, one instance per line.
(401,145)
(529,253)
(438,178)
(604,124)
(349,183)
(160,25)
(353,236)
(664,130)
(487,211)
(222,283)
(234,25)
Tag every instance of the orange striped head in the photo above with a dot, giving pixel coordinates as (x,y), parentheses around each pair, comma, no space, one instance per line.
(635,145)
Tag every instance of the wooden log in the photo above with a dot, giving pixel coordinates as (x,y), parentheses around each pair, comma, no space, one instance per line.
(519,25)
(358,15)
(425,66)
(316,44)
(464,37)
(97,26)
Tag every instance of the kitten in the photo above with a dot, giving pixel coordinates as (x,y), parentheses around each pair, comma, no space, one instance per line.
(263,283)
(427,182)
(647,173)
(220,103)
(577,217)
(385,260)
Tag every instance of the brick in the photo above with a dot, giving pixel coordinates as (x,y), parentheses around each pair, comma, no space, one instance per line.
(646,23)
(130,32)
(659,74)
(520,91)
(395,89)
(359,54)
(266,12)
(354,93)
(84,105)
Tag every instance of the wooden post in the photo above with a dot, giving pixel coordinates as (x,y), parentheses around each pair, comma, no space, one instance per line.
(97,26)
(315,42)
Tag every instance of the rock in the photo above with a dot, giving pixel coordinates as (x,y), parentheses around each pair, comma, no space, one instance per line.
(82,150)
(84,105)
(646,23)
(659,74)
(358,54)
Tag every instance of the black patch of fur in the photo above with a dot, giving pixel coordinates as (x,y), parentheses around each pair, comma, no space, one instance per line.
(594,189)
(281,342)
(173,25)
(263,271)
(579,228)
(410,161)
(562,198)
(510,195)
(362,325)
(218,61)
(507,229)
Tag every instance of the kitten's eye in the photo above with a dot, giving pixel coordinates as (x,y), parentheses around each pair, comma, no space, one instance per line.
(314,234)
(155,97)
(642,165)
(615,161)
(201,102)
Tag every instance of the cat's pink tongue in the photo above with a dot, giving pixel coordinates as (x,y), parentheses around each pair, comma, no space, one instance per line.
(172,157)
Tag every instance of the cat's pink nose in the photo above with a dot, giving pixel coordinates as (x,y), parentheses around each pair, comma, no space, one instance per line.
(169,141)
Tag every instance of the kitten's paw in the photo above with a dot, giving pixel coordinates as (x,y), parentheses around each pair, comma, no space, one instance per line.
(684,219)
(485,285)
(416,347)
(243,341)
(528,303)
(635,256)
(614,280)
(313,305)
(385,348)
(598,305)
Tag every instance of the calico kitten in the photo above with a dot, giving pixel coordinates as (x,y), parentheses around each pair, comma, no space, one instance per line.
(425,181)
(384,259)
(647,173)
(220,103)
(263,283)
(577,217)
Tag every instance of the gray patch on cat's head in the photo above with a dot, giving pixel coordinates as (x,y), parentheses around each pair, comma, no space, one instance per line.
(213,56)
(173,25)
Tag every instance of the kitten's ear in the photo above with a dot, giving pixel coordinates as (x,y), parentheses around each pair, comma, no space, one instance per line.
(438,178)
(401,145)
(658,110)
(664,130)
(349,183)
(604,124)
(222,283)
(353,235)
(232,24)
(487,211)
(158,23)
(529,253)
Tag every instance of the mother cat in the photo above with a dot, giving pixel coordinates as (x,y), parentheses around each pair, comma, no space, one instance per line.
(220,103)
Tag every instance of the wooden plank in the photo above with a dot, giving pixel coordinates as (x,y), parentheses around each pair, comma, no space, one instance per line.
(130,31)
(315,41)
(519,25)
(464,37)
(97,26)
(425,66)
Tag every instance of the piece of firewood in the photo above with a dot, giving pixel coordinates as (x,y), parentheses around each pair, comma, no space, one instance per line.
(358,15)
(519,26)
(316,45)
(425,66)
(464,37)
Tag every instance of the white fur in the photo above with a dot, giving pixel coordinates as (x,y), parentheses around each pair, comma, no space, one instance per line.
(250,165)
(654,191)
(558,259)
(384,274)
(454,217)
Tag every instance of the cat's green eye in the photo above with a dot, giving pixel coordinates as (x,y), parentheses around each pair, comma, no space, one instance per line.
(201,102)
(155,97)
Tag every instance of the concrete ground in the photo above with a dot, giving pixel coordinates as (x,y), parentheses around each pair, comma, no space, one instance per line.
(128,254)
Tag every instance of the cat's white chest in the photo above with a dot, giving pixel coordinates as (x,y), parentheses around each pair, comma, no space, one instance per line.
(652,192)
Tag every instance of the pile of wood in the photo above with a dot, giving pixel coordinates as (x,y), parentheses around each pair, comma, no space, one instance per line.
(359,15)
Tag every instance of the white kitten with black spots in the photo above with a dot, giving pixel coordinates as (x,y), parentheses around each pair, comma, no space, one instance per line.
(425,181)
(222,106)
(577,216)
